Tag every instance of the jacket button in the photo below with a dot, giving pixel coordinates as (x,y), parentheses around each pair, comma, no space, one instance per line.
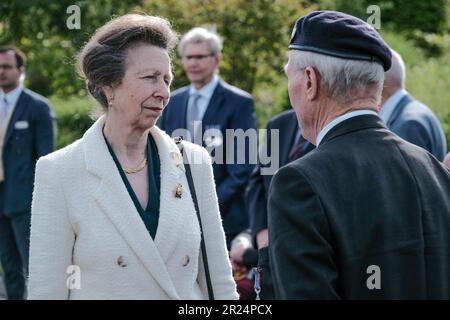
(186,261)
(121,262)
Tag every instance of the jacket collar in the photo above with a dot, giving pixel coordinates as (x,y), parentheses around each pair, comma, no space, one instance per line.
(398,110)
(214,104)
(21,105)
(353,124)
(114,200)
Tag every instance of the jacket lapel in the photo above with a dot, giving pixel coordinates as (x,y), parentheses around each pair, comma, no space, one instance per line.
(399,109)
(114,200)
(184,103)
(214,106)
(20,107)
(173,211)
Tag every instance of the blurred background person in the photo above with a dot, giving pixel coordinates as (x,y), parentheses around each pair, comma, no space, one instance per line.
(407,117)
(244,258)
(26,134)
(210,103)
(291,146)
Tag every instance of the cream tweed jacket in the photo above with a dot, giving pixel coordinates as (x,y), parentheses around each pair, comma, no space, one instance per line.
(89,242)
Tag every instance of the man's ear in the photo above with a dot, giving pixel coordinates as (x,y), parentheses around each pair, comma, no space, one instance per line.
(217,59)
(312,83)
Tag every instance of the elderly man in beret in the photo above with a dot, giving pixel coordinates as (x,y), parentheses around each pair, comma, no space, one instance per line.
(365,215)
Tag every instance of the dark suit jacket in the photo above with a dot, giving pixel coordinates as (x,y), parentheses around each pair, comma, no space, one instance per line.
(258,186)
(416,123)
(30,135)
(363,197)
(229,108)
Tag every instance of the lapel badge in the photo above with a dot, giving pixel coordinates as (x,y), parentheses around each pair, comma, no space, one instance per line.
(122,262)
(178,191)
(177,158)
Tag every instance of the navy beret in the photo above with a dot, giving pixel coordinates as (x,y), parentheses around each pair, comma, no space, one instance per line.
(340,35)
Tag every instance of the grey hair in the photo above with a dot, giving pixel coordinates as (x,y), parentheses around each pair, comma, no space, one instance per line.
(199,35)
(344,80)
(396,74)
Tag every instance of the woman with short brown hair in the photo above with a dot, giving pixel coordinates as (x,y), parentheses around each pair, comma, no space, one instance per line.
(114,208)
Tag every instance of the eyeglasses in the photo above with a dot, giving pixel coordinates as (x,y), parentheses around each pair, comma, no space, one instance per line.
(6,66)
(198,57)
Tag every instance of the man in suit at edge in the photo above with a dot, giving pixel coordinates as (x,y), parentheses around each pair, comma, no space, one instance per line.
(209,104)
(291,145)
(26,133)
(407,117)
(365,215)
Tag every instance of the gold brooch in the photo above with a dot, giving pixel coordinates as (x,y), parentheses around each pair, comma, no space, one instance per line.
(178,191)
(177,158)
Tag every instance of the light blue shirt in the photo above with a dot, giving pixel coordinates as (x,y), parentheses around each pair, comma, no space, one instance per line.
(11,97)
(205,95)
(340,119)
(388,107)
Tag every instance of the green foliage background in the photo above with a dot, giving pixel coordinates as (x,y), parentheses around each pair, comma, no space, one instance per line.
(255,34)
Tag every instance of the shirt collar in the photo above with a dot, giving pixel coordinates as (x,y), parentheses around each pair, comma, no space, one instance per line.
(12,96)
(207,90)
(340,119)
(388,107)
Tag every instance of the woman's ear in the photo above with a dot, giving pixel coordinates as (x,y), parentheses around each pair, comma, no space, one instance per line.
(109,94)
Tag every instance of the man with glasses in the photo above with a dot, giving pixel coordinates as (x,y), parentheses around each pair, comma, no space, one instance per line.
(26,133)
(204,110)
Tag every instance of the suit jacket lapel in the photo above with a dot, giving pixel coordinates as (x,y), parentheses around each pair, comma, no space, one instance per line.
(173,211)
(114,200)
(184,102)
(20,107)
(214,106)
(399,109)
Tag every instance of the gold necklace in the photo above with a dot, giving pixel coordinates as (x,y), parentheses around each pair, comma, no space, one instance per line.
(138,168)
